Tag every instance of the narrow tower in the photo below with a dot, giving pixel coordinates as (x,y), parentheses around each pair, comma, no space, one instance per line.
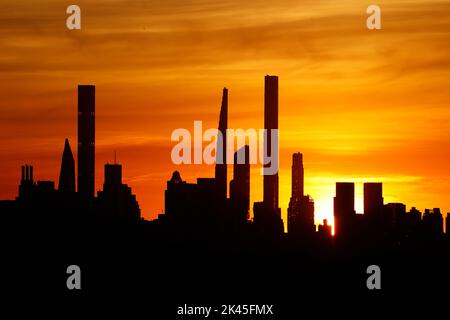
(301,208)
(86,141)
(267,214)
(270,123)
(221,158)
(240,185)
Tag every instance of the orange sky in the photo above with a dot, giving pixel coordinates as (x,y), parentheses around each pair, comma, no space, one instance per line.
(360,105)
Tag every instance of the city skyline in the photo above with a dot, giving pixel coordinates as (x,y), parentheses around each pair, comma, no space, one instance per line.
(300,219)
(226,159)
(332,69)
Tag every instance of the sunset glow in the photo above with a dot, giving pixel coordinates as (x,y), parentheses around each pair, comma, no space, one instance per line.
(360,106)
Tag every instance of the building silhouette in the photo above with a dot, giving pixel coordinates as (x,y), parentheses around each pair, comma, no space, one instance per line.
(412,222)
(86,141)
(267,214)
(240,185)
(179,198)
(297,176)
(374,220)
(324,231)
(373,199)
(344,209)
(26,185)
(270,123)
(77,226)
(221,150)
(67,172)
(201,206)
(116,200)
(36,194)
(395,214)
(433,223)
(192,207)
(301,208)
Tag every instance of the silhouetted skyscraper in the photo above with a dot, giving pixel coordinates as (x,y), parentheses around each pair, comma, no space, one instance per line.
(301,207)
(240,185)
(267,214)
(86,141)
(297,175)
(344,209)
(221,162)
(67,173)
(373,199)
(270,122)
(113,175)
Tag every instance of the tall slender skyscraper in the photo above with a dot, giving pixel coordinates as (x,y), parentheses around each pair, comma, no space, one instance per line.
(240,185)
(67,173)
(267,214)
(86,141)
(301,207)
(221,158)
(270,122)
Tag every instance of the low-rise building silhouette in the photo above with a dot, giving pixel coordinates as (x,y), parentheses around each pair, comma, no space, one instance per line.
(433,223)
(325,230)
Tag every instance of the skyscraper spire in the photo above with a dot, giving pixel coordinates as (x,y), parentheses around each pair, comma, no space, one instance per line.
(270,123)
(67,173)
(221,158)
